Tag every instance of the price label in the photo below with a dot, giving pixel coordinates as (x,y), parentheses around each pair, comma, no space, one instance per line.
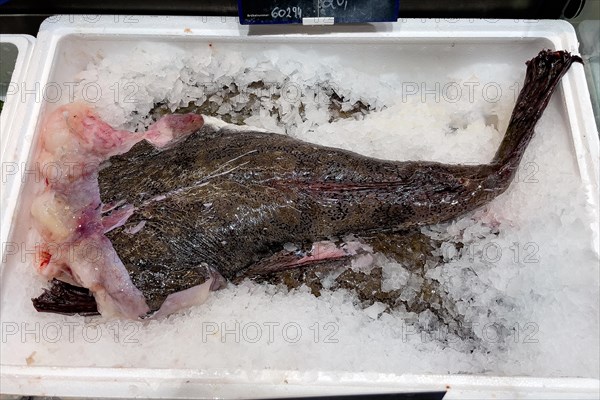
(317,12)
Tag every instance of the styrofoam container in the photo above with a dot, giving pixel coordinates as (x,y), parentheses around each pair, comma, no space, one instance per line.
(64,47)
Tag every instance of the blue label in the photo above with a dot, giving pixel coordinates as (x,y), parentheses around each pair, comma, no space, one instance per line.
(292,12)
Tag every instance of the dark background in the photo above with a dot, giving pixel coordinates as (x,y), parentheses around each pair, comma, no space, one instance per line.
(25,16)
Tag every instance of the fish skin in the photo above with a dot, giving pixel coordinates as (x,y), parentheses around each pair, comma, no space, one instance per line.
(227,199)
(277,190)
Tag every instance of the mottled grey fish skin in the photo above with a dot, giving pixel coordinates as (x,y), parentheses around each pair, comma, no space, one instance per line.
(228,199)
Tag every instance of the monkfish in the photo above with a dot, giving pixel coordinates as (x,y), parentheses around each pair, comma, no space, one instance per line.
(152,221)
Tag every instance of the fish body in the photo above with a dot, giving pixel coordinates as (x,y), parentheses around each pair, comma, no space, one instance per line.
(196,209)
(228,199)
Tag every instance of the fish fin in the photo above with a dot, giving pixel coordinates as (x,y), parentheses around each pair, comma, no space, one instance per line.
(194,295)
(173,128)
(64,298)
(117,218)
(320,252)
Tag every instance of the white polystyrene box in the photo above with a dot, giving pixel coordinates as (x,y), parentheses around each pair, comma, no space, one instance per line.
(63,48)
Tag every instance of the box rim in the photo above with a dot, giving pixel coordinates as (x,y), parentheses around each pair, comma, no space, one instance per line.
(560,33)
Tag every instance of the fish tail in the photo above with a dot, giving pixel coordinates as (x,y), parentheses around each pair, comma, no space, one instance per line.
(542,77)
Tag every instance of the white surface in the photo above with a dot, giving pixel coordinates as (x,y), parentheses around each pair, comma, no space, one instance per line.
(318,21)
(56,47)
